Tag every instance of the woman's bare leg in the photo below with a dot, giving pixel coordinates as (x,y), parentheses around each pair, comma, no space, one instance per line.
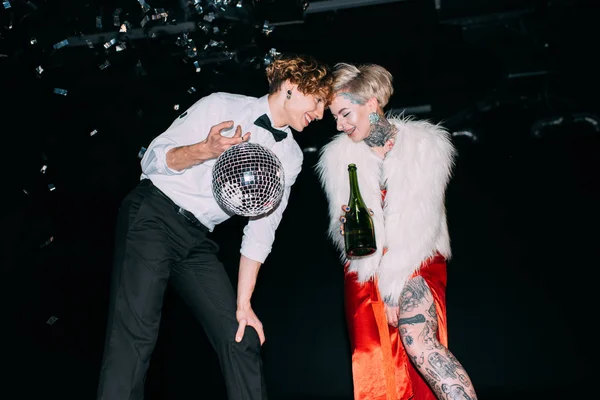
(418,326)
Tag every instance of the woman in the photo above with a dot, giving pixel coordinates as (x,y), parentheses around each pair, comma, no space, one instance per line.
(394,299)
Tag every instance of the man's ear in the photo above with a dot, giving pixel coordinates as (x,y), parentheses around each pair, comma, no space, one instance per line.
(290,86)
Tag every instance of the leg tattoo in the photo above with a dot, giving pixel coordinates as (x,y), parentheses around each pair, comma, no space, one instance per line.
(418,326)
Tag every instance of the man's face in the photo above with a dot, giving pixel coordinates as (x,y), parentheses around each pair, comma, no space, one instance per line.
(301,109)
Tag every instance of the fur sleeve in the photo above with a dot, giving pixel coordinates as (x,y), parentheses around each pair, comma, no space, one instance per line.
(417,175)
(332,170)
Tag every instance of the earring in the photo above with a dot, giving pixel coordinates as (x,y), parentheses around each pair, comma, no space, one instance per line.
(374,118)
(289,94)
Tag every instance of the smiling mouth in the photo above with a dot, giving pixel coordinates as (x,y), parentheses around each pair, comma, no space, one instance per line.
(307,119)
(350,131)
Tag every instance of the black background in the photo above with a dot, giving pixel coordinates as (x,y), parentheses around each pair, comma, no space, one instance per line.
(522,205)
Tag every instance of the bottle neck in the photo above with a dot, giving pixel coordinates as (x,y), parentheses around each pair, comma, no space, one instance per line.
(354,190)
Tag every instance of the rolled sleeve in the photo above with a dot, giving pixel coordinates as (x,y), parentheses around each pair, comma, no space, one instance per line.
(190,127)
(259,233)
(155,161)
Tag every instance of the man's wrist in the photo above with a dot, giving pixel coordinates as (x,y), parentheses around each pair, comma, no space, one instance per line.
(244,305)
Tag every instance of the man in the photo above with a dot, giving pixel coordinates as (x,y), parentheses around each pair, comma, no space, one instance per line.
(163,228)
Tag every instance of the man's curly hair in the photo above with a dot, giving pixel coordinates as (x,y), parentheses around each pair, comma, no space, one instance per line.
(311,76)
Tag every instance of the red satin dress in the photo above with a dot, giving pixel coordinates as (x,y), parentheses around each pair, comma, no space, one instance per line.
(381,369)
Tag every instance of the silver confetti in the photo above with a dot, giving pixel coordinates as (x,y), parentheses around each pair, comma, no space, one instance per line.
(210,17)
(92,133)
(99,22)
(61,44)
(267,29)
(33,41)
(44,168)
(51,187)
(270,56)
(47,242)
(145,6)
(105,65)
(191,90)
(110,43)
(121,46)
(52,320)
(6,4)
(141,153)
(204,27)
(198,6)
(160,14)
(39,71)
(176,107)
(60,91)
(191,52)
(197,65)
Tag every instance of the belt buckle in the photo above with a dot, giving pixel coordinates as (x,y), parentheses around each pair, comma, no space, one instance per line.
(185,212)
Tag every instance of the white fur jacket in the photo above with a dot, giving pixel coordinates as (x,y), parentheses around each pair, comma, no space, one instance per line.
(411,223)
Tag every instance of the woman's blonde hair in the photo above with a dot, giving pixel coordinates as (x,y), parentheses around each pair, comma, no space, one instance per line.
(364,81)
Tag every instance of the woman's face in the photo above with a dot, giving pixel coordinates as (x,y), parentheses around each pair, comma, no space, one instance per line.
(351,115)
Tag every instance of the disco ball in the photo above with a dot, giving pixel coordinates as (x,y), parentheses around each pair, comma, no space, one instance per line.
(248,180)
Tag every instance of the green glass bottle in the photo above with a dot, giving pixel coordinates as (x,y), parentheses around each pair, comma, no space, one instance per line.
(359,231)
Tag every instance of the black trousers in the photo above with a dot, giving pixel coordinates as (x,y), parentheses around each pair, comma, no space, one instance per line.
(157,243)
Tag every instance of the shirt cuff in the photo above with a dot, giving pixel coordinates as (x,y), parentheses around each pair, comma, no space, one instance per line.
(160,152)
(256,251)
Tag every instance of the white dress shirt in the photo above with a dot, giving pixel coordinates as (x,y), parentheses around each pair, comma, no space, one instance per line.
(192,188)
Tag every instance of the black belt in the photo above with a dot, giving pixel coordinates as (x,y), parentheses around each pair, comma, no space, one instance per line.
(180,210)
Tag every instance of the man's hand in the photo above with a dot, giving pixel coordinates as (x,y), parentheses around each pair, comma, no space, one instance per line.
(247,317)
(392,314)
(215,144)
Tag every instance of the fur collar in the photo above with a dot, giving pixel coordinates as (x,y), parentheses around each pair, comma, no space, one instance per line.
(411,223)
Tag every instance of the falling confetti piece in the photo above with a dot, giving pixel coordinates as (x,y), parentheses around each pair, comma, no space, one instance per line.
(61,44)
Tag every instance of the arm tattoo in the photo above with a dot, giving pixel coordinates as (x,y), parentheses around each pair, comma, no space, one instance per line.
(433,374)
(381,131)
(432,313)
(413,294)
(427,336)
(455,392)
(406,338)
(417,319)
(434,386)
(442,365)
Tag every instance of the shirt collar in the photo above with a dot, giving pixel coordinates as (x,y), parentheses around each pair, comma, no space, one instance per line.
(263,108)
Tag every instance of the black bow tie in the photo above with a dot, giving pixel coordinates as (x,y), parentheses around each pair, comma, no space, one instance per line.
(264,122)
